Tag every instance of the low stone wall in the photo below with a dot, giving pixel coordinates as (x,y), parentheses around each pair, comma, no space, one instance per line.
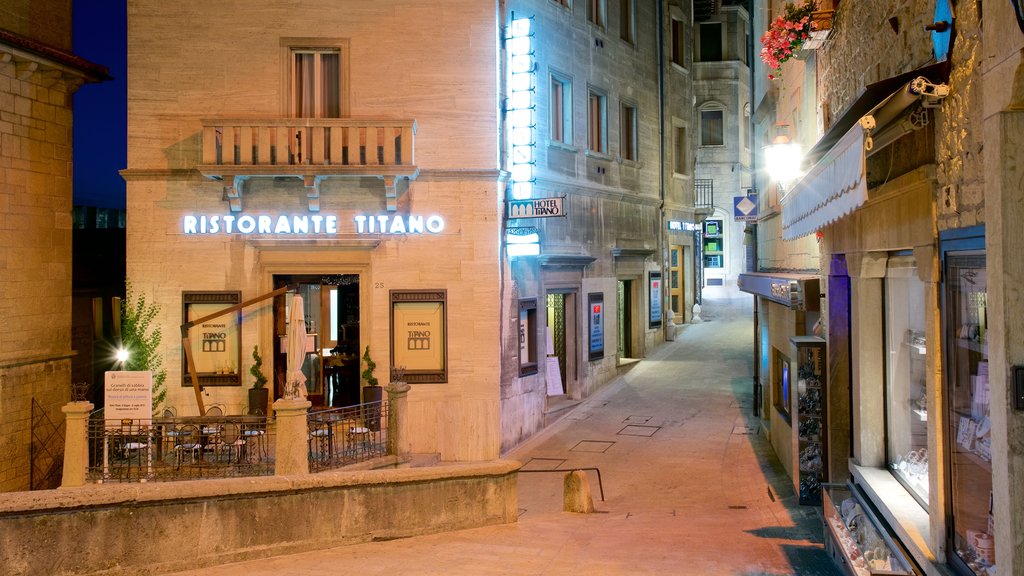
(115,529)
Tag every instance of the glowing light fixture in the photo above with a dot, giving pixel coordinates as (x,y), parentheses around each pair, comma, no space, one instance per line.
(783,159)
(122,355)
(520,106)
(522,241)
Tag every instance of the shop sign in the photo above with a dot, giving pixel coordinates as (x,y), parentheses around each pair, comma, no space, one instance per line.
(536,208)
(310,224)
(655,299)
(744,208)
(595,301)
(127,395)
(680,226)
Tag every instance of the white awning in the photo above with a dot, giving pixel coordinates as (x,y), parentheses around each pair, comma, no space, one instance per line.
(833,188)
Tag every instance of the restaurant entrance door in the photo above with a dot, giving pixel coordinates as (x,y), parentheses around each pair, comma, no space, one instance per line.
(331,307)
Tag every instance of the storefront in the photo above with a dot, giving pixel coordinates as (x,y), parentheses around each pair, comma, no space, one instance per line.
(791,373)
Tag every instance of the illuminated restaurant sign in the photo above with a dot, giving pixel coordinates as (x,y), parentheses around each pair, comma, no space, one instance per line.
(310,224)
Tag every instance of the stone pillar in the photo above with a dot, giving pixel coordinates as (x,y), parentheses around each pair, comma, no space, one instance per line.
(76,443)
(868,356)
(398,419)
(292,455)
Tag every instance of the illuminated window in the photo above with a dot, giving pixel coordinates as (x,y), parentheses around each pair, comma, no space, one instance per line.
(595,13)
(561,109)
(597,122)
(627,119)
(712,128)
(781,381)
(627,21)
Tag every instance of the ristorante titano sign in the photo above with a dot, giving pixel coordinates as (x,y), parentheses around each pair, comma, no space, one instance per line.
(317,224)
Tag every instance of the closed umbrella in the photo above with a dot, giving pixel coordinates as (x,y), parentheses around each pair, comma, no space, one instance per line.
(296,380)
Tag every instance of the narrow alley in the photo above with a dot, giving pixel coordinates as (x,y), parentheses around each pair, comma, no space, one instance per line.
(690,484)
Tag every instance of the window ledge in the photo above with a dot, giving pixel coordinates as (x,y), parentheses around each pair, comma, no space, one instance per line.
(908,519)
(559,145)
(680,68)
(680,176)
(722,146)
(631,163)
(597,155)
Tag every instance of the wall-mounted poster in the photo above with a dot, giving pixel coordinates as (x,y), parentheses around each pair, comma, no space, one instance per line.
(595,306)
(419,338)
(216,343)
(655,299)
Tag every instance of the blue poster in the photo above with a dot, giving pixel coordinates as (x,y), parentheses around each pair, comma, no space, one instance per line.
(596,303)
(655,294)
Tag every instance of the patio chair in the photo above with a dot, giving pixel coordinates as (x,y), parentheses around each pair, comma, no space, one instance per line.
(188,441)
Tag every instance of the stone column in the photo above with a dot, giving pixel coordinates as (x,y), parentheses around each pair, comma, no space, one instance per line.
(292,453)
(76,443)
(398,420)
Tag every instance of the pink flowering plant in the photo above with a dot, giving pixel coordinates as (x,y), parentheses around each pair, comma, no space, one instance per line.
(786,34)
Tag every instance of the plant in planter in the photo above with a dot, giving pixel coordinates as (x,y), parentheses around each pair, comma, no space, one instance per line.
(786,35)
(372,393)
(258,394)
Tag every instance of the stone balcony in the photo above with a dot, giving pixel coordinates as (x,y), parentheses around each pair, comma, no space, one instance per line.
(312,149)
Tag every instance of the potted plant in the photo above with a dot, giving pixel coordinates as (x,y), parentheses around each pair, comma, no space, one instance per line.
(258,394)
(372,392)
(786,35)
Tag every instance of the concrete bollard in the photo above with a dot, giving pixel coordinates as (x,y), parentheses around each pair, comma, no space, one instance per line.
(577,493)
(398,420)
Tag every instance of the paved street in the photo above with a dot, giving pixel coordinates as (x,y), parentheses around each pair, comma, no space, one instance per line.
(690,486)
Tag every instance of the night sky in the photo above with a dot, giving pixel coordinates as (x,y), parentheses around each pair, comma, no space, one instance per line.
(100,110)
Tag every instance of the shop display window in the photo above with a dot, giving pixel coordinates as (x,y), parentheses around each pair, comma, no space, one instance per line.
(527,337)
(970,440)
(906,418)
(781,381)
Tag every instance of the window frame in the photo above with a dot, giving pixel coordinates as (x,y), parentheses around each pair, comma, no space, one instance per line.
(721,34)
(601,137)
(678,38)
(627,21)
(597,13)
(528,336)
(628,131)
(560,113)
(782,392)
(289,47)
(704,132)
(680,150)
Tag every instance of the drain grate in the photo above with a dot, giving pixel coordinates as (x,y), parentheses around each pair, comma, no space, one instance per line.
(634,430)
(543,464)
(637,420)
(591,446)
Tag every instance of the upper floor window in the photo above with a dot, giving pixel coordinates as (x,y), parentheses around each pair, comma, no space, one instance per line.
(597,123)
(596,13)
(680,147)
(627,119)
(563,3)
(316,77)
(710,41)
(712,128)
(678,43)
(627,20)
(561,109)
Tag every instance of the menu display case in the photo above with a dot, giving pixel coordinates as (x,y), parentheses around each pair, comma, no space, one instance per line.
(972,533)
(809,418)
(856,540)
(713,244)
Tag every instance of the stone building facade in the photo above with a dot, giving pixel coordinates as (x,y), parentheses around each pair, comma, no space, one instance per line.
(920,307)
(397,141)
(38,75)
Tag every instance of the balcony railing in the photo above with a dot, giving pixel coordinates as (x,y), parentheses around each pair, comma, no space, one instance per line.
(309,148)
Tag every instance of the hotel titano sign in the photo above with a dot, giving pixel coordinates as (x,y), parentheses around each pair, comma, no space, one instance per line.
(536,208)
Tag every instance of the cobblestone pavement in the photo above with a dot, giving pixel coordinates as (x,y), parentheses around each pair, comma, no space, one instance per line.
(691,484)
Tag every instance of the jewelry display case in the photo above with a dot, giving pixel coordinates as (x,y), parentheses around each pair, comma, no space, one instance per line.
(809,418)
(856,540)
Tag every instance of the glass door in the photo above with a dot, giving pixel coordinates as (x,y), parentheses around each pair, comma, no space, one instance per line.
(970,445)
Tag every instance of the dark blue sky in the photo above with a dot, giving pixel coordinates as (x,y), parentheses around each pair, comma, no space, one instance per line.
(101,110)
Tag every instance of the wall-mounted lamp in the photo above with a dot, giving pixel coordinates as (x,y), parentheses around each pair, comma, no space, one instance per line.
(783,160)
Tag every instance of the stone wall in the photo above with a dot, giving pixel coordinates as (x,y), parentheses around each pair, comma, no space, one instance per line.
(132,529)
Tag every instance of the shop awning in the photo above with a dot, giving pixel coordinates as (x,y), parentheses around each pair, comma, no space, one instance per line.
(836,184)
